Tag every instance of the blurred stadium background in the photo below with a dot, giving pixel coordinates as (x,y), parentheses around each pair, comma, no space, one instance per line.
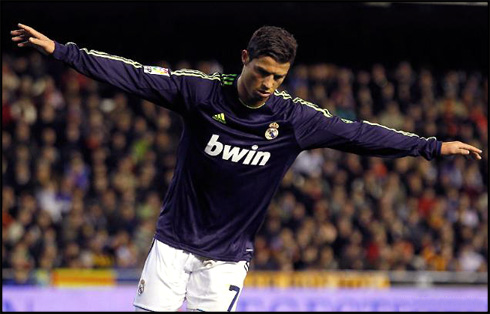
(85,166)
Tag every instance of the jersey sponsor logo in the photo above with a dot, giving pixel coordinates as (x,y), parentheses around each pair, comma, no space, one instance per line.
(236,154)
(220,117)
(156,70)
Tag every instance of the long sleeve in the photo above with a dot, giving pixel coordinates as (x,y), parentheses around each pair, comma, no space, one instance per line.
(155,84)
(316,128)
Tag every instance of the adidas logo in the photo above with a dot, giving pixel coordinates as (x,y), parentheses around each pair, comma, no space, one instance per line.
(220,117)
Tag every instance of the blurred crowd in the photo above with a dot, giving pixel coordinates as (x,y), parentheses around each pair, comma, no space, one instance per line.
(85,168)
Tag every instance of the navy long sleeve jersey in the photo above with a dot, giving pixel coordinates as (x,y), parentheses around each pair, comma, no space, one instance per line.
(231,158)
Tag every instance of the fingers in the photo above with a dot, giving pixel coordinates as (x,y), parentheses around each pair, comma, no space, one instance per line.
(467,149)
(25,44)
(18,32)
(22,40)
(473,155)
(472,149)
(18,38)
(30,30)
(460,148)
(26,32)
(36,41)
(26,36)
(21,37)
(21,32)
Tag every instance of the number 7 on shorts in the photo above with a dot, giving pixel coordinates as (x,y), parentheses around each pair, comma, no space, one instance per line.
(237,289)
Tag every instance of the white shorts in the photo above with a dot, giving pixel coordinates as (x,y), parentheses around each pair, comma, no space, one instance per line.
(171,276)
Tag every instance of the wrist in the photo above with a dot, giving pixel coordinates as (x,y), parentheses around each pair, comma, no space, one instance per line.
(58,50)
(439,148)
(443,149)
(51,47)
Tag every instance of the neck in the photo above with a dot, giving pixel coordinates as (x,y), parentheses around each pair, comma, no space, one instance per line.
(244,99)
(255,106)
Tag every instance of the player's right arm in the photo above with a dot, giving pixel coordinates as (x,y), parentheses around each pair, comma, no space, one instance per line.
(152,83)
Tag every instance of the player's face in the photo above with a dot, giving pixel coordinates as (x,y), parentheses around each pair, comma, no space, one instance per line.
(260,77)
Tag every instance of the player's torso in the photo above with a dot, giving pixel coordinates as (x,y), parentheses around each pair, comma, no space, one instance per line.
(230,135)
(231,160)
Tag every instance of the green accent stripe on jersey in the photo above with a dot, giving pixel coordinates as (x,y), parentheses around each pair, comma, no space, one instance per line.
(228,79)
(283,94)
(195,73)
(286,96)
(398,131)
(112,57)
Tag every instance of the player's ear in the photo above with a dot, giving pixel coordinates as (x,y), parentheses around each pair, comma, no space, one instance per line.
(245,57)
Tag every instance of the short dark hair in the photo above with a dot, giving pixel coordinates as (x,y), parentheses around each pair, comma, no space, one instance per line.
(274,42)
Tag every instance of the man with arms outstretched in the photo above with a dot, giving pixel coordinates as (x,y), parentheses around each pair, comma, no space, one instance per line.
(240,137)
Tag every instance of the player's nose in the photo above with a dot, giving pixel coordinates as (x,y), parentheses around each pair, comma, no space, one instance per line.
(268,83)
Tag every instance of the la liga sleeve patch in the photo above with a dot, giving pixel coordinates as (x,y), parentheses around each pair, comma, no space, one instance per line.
(156,70)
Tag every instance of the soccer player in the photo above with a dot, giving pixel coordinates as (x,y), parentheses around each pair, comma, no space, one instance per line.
(240,137)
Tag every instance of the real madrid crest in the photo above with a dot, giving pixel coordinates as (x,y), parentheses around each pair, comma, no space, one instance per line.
(141,287)
(272,132)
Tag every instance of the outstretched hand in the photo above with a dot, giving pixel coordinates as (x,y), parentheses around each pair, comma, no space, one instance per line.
(27,36)
(459,148)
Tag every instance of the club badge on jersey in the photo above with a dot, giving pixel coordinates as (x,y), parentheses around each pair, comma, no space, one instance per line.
(272,132)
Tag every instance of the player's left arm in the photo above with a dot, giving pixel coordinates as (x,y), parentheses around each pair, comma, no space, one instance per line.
(318,128)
